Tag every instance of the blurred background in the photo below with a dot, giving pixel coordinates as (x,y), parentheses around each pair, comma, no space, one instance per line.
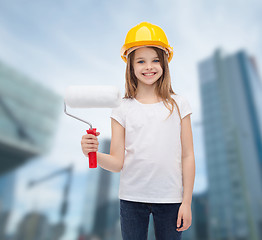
(47,191)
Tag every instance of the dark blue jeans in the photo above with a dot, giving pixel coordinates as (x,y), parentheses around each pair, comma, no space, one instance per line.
(134,218)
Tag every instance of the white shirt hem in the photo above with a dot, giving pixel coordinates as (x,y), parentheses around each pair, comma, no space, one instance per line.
(147,200)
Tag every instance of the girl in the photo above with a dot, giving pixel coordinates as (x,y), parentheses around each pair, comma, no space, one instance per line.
(153,126)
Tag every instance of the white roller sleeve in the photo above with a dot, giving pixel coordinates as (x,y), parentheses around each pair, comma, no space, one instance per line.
(92,96)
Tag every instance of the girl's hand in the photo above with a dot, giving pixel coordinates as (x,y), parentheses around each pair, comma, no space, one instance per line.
(184,213)
(89,143)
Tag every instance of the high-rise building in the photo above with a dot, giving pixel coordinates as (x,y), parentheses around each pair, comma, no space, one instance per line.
(231,100)
(200,216)
(28,119)
(34,226)
(29,115)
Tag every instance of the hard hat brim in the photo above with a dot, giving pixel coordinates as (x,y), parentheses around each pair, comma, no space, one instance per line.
(124,50)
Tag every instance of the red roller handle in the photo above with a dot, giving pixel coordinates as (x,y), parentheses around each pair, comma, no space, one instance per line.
(92,155)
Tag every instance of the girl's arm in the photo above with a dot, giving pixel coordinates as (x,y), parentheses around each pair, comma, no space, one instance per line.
(188,159)
(114,161)
(108,162)
(188,166)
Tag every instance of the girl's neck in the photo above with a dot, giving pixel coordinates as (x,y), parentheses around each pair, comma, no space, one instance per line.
(147,94)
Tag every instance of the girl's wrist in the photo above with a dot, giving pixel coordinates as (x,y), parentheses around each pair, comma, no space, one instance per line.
(187,202)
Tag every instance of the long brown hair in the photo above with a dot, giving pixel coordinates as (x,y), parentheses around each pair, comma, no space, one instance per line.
(163,85)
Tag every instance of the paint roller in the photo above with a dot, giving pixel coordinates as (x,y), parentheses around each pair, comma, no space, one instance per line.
(91,97)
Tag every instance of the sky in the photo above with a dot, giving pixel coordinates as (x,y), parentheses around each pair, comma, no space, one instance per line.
(61,43)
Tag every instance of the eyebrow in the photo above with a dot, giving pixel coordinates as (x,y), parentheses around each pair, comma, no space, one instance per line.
(143,58)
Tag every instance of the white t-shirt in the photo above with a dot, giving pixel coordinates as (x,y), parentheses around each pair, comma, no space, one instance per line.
(152,170)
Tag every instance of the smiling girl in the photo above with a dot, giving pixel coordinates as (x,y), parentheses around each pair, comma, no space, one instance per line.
(152,143)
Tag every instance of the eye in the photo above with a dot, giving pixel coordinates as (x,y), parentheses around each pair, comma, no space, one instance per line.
(156,60)
(140,61)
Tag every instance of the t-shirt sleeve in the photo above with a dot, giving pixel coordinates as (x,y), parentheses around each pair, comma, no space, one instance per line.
(185,107)
(118,114)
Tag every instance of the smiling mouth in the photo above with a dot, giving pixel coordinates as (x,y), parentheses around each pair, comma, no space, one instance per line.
(148,74)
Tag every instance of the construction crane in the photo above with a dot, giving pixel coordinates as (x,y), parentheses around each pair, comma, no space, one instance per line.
(59,228)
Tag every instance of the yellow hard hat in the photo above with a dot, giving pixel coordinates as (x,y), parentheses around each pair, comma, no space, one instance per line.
(145,34)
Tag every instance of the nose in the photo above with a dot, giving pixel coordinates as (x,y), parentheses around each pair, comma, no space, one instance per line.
(148,66)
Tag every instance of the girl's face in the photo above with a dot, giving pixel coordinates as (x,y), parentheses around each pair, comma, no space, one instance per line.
(146,65)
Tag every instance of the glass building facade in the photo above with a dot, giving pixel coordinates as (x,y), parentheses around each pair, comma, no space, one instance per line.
(28,118)
(230,93)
